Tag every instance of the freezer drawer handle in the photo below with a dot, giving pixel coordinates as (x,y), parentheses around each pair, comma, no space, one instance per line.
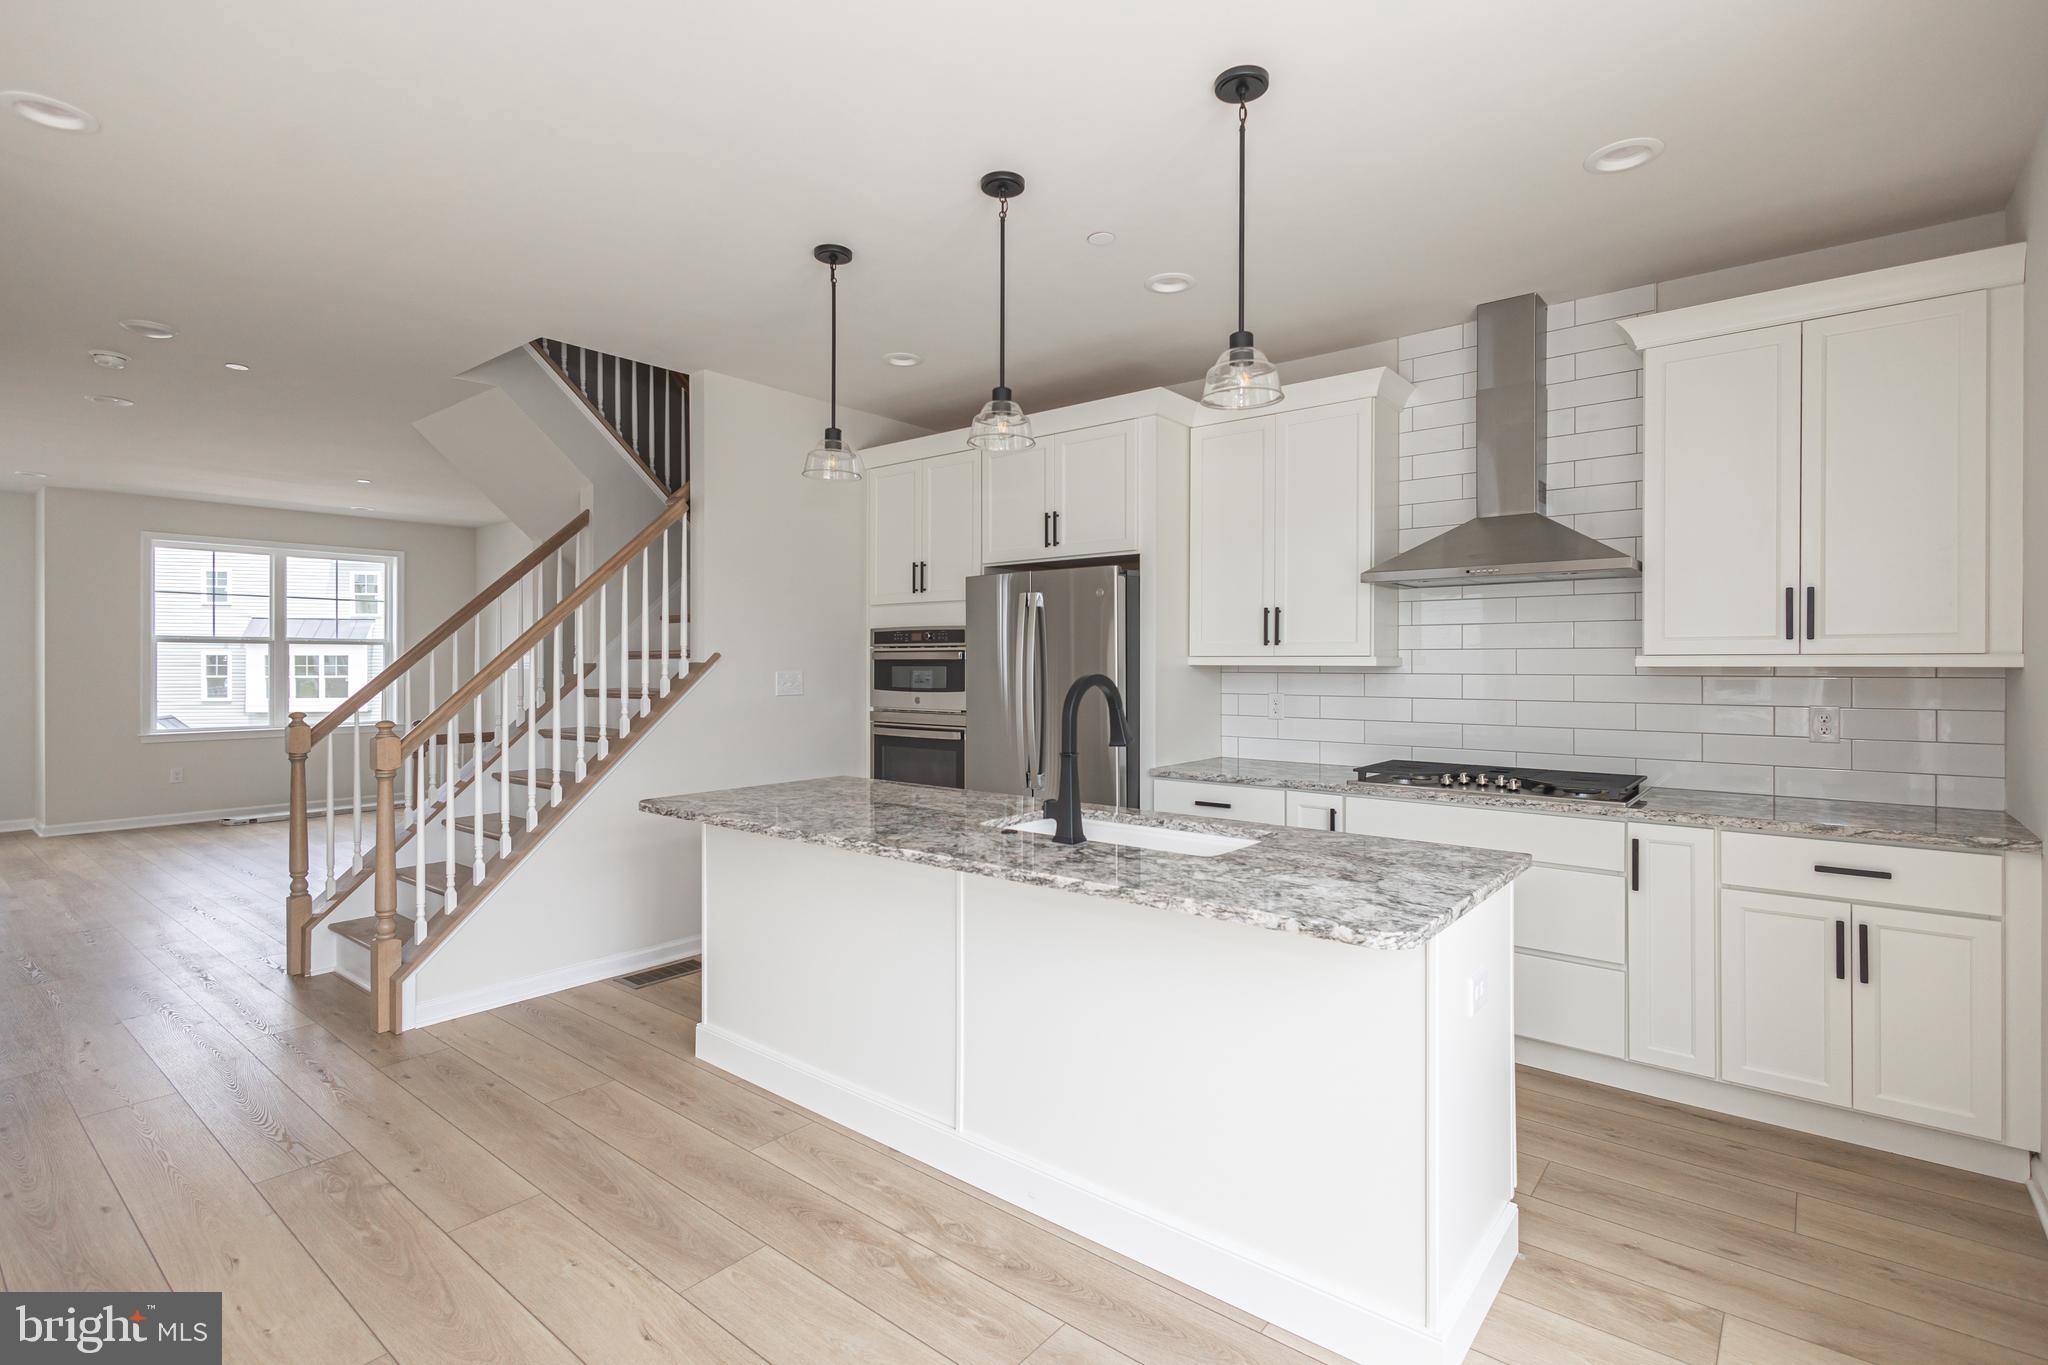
(1215,805)
(1852,872)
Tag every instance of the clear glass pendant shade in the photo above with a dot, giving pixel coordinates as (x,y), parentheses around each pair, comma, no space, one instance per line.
(1241,378)
(833,458)
(1001,426)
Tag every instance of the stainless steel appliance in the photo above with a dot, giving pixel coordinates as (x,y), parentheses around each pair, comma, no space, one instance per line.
(1030,634)
(918,701)
(1620,788)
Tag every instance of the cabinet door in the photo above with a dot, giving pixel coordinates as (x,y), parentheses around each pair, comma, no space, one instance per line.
(893,545)
(1017,526)
(950,525)
(1230,539)
(1785,994)
(1306,810)
(1095,489)
(1721,494)
(1671,1006)
(1894,465)
(1322,531)
(1929,1019)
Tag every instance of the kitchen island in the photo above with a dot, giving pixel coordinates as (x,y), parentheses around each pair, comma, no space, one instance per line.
(1274,1063)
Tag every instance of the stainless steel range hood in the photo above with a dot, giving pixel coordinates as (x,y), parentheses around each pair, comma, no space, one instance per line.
(1511,540)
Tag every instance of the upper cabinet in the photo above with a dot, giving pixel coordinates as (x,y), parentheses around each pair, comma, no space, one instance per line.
(1285,511)
(1830,480)
(1073,495)
(922,516)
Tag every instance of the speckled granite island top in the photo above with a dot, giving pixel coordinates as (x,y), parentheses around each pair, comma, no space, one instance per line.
(1978,831)
(1376,893)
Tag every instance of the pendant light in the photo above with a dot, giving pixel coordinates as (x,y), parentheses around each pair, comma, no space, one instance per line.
(1242,377)
(832,457)
(1001,425)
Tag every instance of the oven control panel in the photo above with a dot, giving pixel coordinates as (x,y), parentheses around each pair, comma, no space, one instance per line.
(937,635)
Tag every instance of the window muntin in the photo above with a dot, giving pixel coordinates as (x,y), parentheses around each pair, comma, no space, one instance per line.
(214,677)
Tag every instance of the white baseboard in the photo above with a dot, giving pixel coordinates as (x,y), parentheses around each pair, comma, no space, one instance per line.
(1804,1116)
(443,1008)
(16,826)
(196,817)
(2037,1186)
(1306,1310)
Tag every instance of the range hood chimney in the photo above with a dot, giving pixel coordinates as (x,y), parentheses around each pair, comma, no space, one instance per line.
(1511,540)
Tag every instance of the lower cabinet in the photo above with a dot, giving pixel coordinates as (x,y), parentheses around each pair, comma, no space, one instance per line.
(1307,810)
(1671,996)
(1890,1011)
(1265,805)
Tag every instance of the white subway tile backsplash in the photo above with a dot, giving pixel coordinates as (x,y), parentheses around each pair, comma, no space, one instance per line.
(1543,674)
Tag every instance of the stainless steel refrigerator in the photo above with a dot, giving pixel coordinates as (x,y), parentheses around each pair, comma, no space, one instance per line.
(1030,634)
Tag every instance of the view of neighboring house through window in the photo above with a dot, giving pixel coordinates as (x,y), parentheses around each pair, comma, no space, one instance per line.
(218,640)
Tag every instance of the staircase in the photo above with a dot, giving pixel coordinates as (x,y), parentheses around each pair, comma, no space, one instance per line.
(450,767)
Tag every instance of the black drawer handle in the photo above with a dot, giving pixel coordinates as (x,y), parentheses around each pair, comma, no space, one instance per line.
(1863,953)
(1852,872)
(1215,805)
(1841,950)
(1333,819)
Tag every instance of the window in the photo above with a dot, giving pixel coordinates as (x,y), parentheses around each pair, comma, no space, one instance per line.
(310,627)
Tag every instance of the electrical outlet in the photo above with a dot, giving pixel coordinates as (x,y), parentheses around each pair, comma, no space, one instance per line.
(1478,993)
(1273,705)
(789,683)
(177,775)
(1824,724)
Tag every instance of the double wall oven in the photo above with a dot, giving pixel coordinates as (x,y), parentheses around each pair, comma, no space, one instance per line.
(918,701)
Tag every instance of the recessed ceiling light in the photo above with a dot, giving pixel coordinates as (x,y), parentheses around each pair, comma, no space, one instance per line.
(903,360)
(1624,155)
(1172,282)
(237,366)
(155,331)
(110,400)
(358,509)
(1101,238)
(31,474)
(362,480)
(110,360)
(50,113)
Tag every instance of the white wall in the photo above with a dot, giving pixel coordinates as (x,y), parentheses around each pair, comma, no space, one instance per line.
(776,564)
(99,768)
(17,658)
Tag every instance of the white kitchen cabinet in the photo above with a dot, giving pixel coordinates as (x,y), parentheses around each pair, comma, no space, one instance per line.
(1928,1034)
(1785,999)
(1671,990)
(1310,810)
(1073,495)
(1829,469)
(1263,805)
(921,529)
(1285,512)
(1893,479)
(1721,495)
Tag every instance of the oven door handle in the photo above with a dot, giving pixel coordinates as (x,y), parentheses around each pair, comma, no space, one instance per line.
(922,732)
(937,656)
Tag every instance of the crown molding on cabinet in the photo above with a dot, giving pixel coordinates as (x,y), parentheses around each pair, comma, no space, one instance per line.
(1991,268)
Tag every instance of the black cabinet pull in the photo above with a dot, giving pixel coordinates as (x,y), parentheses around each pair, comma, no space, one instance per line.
(1809,611)
(1841,950)
(1852,872)
(1863,953)
(1333,819)
(1045,531)
(913,575)
(1276,625)
(1055,528)
(1265,625)
(924,581)
(1215,805)
(1635,864)
(1788,613)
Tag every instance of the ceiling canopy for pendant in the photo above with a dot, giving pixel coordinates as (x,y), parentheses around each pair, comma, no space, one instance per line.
(1242,377)
(833,457)
(1001,425)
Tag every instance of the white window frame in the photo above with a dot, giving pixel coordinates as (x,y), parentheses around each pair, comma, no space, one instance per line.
(280,644)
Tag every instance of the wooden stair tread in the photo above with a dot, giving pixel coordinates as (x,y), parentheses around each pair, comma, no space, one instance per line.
(591,733)
(467,824)
(673,652)
(437,876)
(543,776)
(464,736)
(616,692)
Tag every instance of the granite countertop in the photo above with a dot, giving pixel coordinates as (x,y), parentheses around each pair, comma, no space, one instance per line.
(1350,888)
(1867,822)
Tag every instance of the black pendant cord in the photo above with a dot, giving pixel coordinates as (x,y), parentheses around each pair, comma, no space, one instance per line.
(835,348)
(1241,114)
(1003,295)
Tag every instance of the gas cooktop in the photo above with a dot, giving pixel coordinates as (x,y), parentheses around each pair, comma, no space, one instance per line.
(1619,788)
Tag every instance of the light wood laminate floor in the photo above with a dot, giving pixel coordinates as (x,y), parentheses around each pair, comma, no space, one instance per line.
(561,1180)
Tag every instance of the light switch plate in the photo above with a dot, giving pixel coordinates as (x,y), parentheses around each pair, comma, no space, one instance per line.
(1824,724)
(177,776)
(789,682)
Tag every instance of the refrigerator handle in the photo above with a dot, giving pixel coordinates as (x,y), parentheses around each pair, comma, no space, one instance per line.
(1021,709)
(1038,655)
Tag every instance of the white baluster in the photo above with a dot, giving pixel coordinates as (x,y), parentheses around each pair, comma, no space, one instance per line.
(558,714)
(646,655)
(582,702)
(421,772)
(530,665)
(330,747)
(662,634)
(355,729)
(448,824)
(625,636)
(504,750)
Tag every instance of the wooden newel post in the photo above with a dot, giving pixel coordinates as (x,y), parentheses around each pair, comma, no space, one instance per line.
(386,953)
(298,905)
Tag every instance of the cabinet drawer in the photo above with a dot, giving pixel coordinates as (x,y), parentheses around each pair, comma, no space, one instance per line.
(1578,914)
(1570,1003)
(1266,805)
(1966,883)
(1546,838)
(1309,810)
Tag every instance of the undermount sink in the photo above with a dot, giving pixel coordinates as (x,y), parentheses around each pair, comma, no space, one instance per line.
(1190,843)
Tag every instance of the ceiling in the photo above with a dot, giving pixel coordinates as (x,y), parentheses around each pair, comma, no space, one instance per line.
(362,201)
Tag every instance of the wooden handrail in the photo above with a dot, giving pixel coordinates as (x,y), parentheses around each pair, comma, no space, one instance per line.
(438,636)
(678,508)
